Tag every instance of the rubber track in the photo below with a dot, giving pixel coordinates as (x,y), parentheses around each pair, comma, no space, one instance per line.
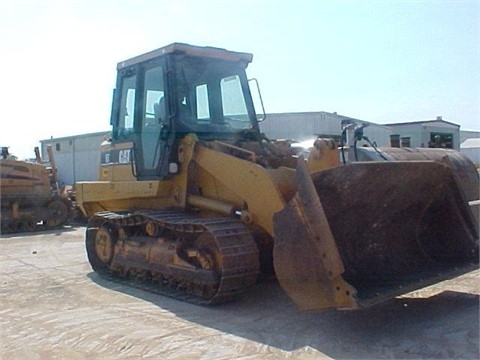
(234,241)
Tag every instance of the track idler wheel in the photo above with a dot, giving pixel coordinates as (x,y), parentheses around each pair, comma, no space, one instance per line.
(103,245)
(57,213)
(208,257)
(100,244)
(208,253)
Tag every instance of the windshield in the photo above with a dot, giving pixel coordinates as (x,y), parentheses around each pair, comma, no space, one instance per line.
(212,96)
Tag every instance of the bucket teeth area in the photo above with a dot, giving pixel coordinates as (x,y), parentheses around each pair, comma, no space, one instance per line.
(397,226)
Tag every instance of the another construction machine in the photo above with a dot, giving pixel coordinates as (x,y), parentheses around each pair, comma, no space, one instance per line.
(194,202)
(30,195)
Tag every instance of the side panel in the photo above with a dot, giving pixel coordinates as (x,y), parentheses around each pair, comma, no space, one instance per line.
(120,191)
(97,196)
(247,180)
(117,162)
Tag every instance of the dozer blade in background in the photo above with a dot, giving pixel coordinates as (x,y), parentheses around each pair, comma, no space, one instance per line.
(398,226)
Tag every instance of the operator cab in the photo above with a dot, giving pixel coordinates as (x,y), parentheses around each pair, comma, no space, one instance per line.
(175,90)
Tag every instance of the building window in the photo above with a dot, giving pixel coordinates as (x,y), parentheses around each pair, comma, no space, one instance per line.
(441,140)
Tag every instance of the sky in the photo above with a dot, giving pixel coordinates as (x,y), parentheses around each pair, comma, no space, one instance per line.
(379,61)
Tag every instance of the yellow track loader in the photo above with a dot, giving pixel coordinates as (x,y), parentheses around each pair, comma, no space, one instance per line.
(195,202)
(30,195)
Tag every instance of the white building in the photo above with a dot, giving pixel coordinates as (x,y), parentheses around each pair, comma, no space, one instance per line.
(468,134)
(77,157)
(302,126)
(426,133)
(471,149)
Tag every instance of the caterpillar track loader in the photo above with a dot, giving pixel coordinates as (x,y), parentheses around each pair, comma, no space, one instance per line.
(194,202)
(30,195)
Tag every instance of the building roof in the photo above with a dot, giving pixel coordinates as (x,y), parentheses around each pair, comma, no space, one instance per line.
(101,133)
(471,143)
(324,115)
(423,122)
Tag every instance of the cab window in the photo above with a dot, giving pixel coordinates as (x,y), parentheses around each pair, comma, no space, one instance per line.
(233,101)
(153,116)
(127,105)
(203,107)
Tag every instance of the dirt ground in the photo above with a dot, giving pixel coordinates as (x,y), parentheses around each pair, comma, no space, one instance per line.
(52,306)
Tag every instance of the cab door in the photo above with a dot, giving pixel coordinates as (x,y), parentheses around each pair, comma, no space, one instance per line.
(141,121)
(151,146)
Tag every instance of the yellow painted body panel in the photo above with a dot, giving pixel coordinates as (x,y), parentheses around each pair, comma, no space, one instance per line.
(323,155)
(115,171)
(97,196)
(120,191)
(245,180)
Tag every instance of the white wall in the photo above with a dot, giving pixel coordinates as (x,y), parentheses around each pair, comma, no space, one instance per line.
(77,157)
(471,149)
(307,125)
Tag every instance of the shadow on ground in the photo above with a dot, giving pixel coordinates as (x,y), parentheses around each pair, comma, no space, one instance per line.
(443,326)
(41,231)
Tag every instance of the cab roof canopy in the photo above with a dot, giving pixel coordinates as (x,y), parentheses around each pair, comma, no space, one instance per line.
(191,50)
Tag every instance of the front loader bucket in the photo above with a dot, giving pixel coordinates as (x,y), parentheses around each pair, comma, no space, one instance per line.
(305,256)
(382,229)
